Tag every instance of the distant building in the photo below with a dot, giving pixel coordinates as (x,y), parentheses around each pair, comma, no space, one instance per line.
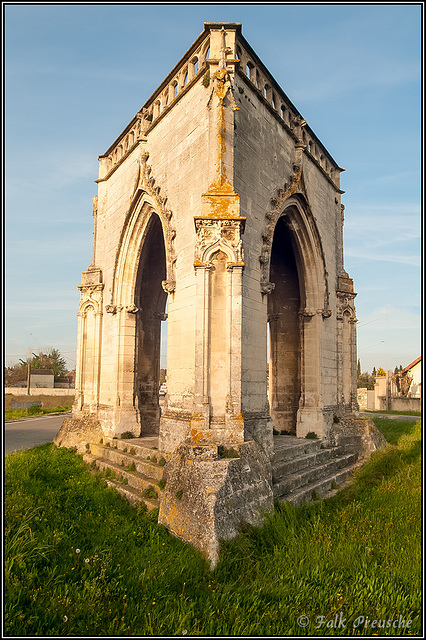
(408,382)
(42,378)
(67,381)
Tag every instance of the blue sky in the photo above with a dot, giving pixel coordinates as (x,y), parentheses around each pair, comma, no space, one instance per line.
(75,75)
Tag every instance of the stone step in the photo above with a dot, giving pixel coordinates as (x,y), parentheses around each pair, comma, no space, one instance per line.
(134,478)
(312,475)
(286,467)
(133,475)
(126,458)
(134,496)
(289,447)
(322,488)
(144,447)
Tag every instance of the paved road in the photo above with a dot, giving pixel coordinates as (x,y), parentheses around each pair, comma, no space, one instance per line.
(390,416)
(28,432)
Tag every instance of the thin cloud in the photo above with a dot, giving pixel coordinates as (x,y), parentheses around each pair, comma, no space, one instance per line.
(374,256)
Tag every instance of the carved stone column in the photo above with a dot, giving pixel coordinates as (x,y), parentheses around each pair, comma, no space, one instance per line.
(218,266)
(89,341)
(309,416)
(346,340)
(125,416)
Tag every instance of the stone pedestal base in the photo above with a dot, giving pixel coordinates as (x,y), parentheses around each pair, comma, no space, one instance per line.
(208,496)
(77,431)
(177,427)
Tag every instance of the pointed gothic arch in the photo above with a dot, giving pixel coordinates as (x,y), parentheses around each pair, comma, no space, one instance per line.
(292,252)
(138,300)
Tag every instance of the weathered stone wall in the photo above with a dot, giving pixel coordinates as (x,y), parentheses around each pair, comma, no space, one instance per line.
(362,399)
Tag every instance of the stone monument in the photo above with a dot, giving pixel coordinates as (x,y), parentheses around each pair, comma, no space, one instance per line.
(219,209)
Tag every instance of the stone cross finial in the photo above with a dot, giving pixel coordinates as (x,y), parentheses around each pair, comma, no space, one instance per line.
(224,49)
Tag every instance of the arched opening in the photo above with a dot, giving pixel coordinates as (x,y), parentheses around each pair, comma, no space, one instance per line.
(284,304)
(150,299)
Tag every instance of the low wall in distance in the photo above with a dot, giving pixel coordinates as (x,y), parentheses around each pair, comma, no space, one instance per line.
(406,404)
(39,391)
(48,401)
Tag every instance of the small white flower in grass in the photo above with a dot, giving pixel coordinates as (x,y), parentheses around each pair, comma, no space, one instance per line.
(65,618)
(77,550)
(86,560)
(184,632)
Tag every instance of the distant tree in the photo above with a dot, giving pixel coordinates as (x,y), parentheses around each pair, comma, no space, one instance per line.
(52,359)
(403,382)
(366,381)
(14,374)
(373,373)
(359,368)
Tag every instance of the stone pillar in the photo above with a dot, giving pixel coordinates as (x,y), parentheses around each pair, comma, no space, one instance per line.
(309,416)
(89,341)
(202,400)
(347,347)
(218,340)
(354,408)
(126,417)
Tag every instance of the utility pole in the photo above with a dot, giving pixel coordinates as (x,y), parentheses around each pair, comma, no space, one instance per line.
(29,377)
(28,363)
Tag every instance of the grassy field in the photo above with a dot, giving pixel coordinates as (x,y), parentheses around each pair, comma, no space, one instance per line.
(397,413)
(81,561)
(49,404)
(15,414)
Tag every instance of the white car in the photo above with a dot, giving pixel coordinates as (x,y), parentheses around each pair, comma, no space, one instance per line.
(163,389)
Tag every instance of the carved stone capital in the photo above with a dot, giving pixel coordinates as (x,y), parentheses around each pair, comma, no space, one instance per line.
(111,308)
(131,308)
(89,288)
(273,317)
(169,286)
(267,287)
(309,313)
(221,234)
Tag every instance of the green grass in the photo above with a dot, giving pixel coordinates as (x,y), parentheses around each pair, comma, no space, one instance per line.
(397,413)
(81,561)
(15,414)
